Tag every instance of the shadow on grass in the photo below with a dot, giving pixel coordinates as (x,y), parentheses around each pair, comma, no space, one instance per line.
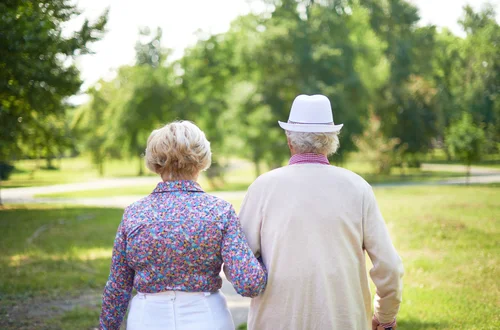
(411,324)
(486,185)
(414,324)
(419,177)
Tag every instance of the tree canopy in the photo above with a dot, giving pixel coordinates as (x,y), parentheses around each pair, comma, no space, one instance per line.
(37,72)
(386,75)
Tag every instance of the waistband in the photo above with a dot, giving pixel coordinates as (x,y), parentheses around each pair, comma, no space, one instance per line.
(172,294)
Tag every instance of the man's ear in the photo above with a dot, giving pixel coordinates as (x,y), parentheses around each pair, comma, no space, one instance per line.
(289,144)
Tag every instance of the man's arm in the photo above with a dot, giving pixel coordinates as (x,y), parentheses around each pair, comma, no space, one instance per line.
(247,275)
(251,219)
(387,271)
(250,224)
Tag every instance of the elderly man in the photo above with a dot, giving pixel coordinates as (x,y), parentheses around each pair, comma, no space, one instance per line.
(311,223)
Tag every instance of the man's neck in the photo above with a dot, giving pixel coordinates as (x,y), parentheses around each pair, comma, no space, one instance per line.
(308,158)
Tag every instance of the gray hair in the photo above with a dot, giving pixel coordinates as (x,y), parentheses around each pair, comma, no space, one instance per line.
(179,150)
(318,143)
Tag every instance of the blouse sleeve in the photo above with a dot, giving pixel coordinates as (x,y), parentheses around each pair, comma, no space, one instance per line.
(118,289)
(246,273)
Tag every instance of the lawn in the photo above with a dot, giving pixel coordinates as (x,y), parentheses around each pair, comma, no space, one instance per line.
(55,259)
(438,156)
(29,173)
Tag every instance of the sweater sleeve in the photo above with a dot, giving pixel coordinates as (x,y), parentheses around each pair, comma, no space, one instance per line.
(118,289)
(242,268)
(251,220)
(387,271)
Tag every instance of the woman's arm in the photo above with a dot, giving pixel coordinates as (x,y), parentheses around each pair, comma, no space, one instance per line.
(118,289)
(245,272)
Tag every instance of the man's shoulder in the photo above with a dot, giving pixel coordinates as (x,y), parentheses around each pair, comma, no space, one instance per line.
(271,176)
(339,174)
(349,176)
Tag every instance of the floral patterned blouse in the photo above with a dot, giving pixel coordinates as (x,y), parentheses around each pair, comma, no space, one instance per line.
(177,239)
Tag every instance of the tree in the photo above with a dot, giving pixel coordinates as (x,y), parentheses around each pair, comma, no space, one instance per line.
(465,141)
(5,171)
(407,99)
(144,99)
(381,152)
(447,75)
(479,88)
(37,70)
(91,124)
(309,47)
(37,73)
(416,121)
(203,86)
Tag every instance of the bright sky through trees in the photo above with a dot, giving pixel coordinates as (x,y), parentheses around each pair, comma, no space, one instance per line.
(180,21)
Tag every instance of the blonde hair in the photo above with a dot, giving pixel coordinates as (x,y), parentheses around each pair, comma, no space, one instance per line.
(178,151)
(318,143)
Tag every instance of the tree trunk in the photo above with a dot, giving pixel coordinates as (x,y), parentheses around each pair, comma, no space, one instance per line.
(257,166)
(257,169)
(448,155)
(49,162)
(467,176)
(141,166)
(101,168)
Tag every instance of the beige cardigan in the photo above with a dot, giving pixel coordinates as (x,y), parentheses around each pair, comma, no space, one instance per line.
(311,224)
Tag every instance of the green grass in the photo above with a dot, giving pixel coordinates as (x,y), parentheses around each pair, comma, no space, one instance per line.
(50,253)
(447,237)
(33,173)
(438,156)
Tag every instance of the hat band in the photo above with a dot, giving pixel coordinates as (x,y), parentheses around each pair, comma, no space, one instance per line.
(296,122)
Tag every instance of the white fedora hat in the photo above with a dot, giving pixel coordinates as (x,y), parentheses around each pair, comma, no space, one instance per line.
(311,113)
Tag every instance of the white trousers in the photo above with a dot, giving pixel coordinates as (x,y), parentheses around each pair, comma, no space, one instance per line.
(177,310)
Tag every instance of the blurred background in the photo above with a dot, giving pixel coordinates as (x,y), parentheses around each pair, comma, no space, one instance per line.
(83,83)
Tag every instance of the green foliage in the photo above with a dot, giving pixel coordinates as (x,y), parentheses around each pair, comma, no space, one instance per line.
(362,54)
(479,92)
(202,91)
(37,71)
(123,112)
(465,140)
(91,122)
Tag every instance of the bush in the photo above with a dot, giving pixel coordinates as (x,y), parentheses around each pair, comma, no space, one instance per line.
(465,140)
(383,153)
(5,170)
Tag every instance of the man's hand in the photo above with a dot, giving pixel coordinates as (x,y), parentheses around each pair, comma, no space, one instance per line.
(376,324)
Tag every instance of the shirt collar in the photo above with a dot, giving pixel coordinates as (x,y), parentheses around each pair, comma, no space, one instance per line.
(181,185)
(308,158)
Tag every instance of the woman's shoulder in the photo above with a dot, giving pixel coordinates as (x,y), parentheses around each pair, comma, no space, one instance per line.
(218,204)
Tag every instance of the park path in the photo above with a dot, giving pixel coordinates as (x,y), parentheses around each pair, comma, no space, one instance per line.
(237,304)
(27,194)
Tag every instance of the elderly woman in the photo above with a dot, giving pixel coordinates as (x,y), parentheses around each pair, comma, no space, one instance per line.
(170,245)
